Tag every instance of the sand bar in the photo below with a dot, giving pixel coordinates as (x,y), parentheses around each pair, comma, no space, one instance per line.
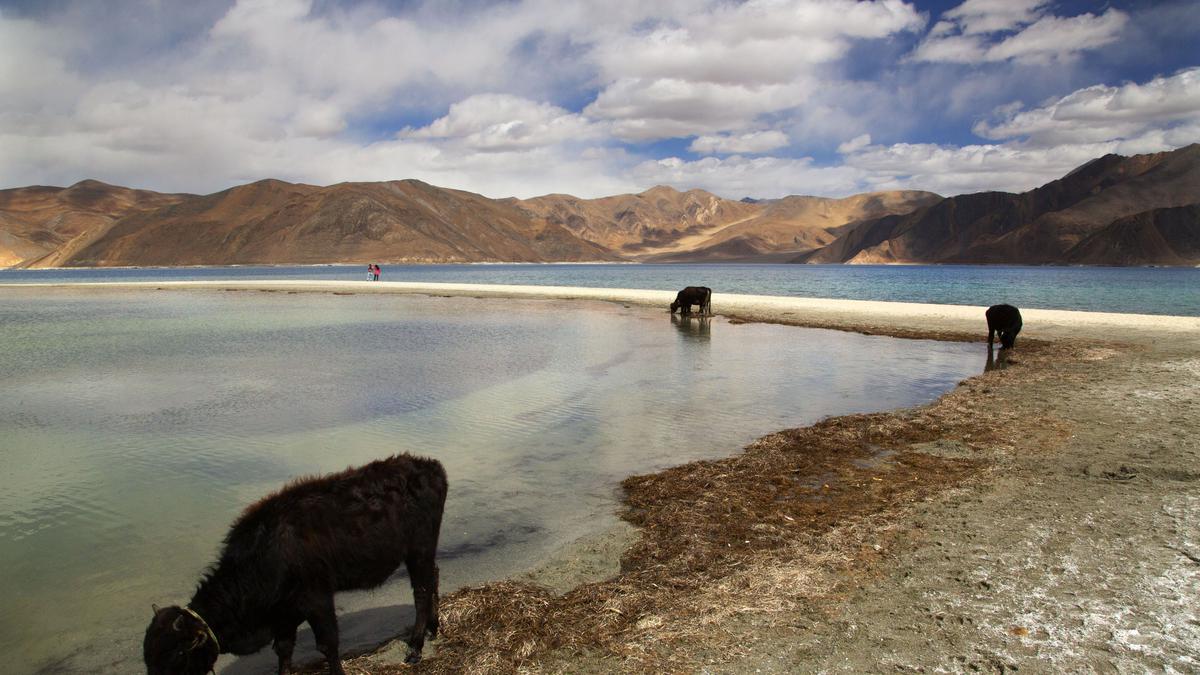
(897,318)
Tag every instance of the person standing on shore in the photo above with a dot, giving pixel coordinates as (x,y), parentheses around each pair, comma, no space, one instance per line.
(377,270)
(370,271)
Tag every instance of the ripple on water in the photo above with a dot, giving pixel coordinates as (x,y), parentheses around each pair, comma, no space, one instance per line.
(136,443)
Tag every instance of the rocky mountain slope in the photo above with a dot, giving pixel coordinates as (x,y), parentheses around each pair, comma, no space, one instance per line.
(1140,210)
(789,225)
(276,222)
(663,224)
(1157,237)
(634,223)
(41,225)
(1042,226)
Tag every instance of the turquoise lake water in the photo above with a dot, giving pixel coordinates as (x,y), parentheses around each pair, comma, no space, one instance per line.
(135,426)
(1138,290)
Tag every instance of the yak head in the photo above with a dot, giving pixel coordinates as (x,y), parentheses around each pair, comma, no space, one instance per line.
(177,643)
(674,306)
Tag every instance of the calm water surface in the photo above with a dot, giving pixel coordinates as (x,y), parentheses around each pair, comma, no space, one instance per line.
(135,426)
(1137,290)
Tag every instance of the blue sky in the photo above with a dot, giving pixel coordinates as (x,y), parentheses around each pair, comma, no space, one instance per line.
(761,98)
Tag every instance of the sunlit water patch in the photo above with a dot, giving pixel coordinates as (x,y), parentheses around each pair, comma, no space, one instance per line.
(135,426)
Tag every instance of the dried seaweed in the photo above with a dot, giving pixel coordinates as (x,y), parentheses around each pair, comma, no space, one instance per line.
(780,526)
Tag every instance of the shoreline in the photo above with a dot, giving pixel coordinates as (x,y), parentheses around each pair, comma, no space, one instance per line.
(1046,510)
(898,319)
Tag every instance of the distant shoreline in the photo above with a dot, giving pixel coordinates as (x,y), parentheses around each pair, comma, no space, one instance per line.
(898,319)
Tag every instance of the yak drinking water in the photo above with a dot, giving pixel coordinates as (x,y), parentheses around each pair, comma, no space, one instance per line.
(1005,320)
(693,295)
(287,555)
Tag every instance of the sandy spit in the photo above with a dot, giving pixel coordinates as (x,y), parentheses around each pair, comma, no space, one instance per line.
(1042,517)
(900,318)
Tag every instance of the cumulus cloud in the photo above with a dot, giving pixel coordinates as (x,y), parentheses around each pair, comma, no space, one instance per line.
(718,70)
(981,31)
(755,142)
(499,122)
(855,144)
(1103,113)
(1044,143)
(665,108)
(950,170)
(976,17)
(565,95)
(736,176)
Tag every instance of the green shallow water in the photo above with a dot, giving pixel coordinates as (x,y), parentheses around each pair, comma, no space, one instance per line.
(134,427)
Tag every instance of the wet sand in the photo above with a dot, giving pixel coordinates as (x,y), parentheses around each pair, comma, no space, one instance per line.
(1044,515)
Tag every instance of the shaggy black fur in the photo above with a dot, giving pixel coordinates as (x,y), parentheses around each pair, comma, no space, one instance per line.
(693,295)
(1005,320)
(287,555)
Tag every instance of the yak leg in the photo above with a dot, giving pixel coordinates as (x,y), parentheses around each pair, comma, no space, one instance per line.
(323,619)
(285,643)
(422,571)
(433,606)
(991,336)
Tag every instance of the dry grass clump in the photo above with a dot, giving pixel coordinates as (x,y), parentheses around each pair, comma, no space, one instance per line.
(775,529)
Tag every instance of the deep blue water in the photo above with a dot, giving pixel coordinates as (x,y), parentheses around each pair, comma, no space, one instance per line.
(1139,290)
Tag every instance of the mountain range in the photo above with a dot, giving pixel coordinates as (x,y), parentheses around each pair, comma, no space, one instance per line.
(1114,210)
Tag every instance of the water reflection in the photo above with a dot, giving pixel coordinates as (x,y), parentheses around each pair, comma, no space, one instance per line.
(134,438)
(694,328)
(996,361)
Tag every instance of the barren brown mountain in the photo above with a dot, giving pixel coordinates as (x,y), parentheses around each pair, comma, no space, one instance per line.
(1036,227)
(39,225)
(663,224)
(276,222)
(1158,237)
(785,227)
(1113,210)
(633,224)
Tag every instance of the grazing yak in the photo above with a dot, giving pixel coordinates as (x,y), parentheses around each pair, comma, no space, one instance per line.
(1005,320)
(287,555)
(693,295)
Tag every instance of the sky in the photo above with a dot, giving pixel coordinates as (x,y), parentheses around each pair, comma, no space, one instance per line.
(761,98)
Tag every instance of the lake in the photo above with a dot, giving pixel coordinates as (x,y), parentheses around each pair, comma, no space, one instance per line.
(1138,290)
(135,426)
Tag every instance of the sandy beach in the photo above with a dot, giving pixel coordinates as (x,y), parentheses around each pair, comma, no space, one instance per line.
(1042,516)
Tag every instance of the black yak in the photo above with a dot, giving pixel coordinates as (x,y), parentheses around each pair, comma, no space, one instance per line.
(693,295)
(287,555)
(1005,320)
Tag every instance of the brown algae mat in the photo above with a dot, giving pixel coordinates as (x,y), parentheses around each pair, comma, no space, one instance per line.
(767,543)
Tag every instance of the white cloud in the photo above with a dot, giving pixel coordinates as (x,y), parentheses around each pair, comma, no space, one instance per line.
(498,122)
(665,108)
(719,70)
(1053,36)
(736,176)
(34,68)
(950,170)
(755,142)
(855,144)
(980,31)
(992,16)
(1045,143)
(1103,113)
(561,94)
